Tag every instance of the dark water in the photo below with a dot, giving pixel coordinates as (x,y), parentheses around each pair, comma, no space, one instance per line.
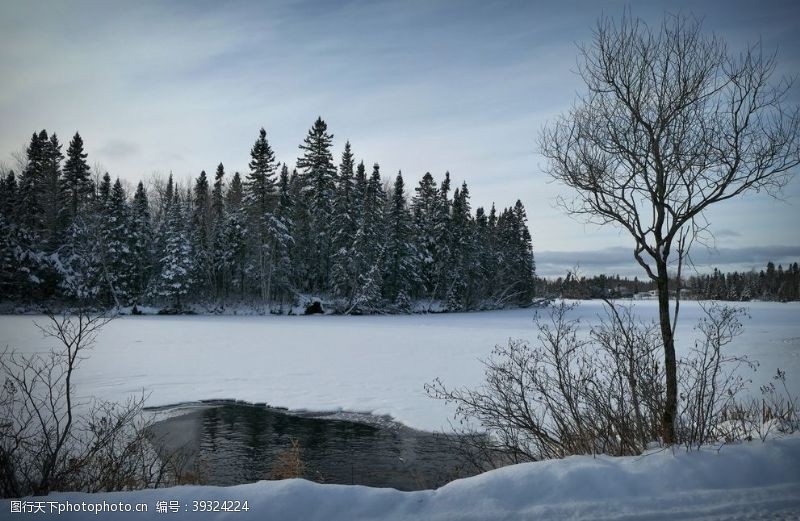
(234,444)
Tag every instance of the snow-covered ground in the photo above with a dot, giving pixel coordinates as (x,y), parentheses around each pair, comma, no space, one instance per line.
(748,481)
(375,364)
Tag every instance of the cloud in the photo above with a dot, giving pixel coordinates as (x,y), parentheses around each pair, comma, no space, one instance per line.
(118,148)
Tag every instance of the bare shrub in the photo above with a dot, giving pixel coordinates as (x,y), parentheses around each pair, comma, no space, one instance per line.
(604,393)
(48,441)
(711,380)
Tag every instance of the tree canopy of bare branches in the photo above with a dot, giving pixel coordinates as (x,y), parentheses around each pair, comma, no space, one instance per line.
(48,441)
(671,123)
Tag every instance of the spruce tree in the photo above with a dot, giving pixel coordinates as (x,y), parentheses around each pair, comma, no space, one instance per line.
(400,266)
(217,255)
(280,233)
(141,241)
(319,180)
(201,229)
(260,203)
(118,262)
(51,192)
(260,182)
(424,206)
(368,244)
(76,186)
(31,184)
(344,226)
(176,263)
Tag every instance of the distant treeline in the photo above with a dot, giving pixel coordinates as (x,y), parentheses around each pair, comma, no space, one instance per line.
(272,237)
(770,283)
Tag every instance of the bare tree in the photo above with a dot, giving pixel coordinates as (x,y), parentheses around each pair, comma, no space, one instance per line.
(672,123)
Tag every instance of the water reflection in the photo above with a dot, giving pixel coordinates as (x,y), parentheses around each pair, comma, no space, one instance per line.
(232,444)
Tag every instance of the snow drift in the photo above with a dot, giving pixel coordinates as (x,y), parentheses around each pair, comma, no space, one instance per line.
(746,481)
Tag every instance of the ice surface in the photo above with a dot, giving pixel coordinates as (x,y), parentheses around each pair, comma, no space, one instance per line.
(375,364)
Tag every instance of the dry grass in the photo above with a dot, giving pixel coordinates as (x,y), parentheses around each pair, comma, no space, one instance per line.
(289,464)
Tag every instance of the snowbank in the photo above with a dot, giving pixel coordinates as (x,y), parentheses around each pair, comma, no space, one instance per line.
(748,481)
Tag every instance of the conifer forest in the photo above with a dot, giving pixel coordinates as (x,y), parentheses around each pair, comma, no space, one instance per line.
(348,234)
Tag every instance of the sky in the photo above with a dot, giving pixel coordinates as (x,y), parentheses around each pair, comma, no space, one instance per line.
(417,86)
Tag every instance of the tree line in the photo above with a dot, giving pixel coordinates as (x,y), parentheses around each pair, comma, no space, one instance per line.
(272,237)
(771,283)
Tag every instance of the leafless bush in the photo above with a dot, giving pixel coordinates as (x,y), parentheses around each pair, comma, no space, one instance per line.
(604,393)
(48,441)
(711,380)
(565,395)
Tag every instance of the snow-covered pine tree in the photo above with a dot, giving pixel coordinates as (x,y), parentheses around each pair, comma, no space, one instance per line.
(368,244)
(259,186)
(168,197)
(400,258)
(481,254)
(30,185)
(19,261)
(176,263)
(442,258)
(359,192)
(76,185)
(524,264)
(141,241)
(201,236)
(236,230)
(344,227)
(218,254)
(303,244)
(279,231)
(460,277)
(319,181)
(104,193)
(424,207)
(260,204)
(51,193)
(118,261)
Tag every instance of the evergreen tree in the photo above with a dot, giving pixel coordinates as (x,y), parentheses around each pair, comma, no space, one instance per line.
(176,263)
(424,207)
(118,263)
(141,240)
(400,255)
(260,183)
(217,259)
(279,233)
(461,273)
(303,244)
(234,198)
(260,203)
(31,184)
(344,227)
(368,244)
(201,237)
(319,180)
(442,258)
(51,192)
(76,186)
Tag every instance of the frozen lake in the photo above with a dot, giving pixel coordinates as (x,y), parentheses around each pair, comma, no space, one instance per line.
(375,364)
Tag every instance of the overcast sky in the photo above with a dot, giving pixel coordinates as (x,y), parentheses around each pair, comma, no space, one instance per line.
(415,86)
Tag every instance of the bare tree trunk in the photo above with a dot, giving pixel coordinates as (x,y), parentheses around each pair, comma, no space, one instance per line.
(670,363)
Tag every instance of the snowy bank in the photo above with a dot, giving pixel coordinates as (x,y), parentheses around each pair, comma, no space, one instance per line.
(747,481)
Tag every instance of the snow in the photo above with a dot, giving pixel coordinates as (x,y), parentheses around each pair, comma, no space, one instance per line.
(375,364)
(747,481)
